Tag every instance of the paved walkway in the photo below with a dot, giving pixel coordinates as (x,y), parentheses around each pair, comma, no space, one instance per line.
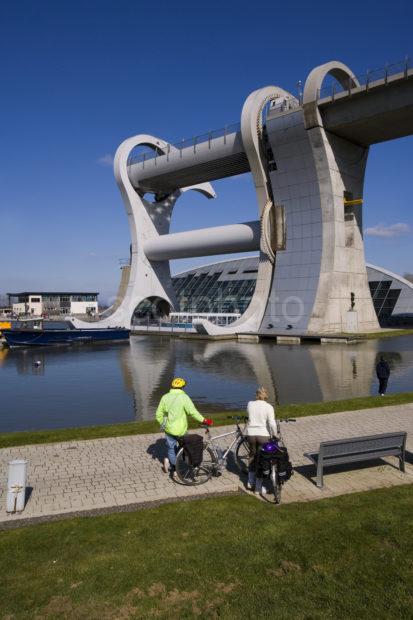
(110,473)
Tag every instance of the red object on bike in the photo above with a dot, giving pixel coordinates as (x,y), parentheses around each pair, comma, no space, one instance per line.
(208,422)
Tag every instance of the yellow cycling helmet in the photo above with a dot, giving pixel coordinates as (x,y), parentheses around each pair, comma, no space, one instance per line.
(178,383)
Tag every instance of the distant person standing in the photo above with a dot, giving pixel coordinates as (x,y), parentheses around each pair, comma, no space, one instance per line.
(383,374)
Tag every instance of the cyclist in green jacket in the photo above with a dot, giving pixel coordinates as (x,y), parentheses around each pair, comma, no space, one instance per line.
(171,415)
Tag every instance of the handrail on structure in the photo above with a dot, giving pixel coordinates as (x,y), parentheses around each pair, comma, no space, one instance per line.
(223,132)
(365,79)
(331,90)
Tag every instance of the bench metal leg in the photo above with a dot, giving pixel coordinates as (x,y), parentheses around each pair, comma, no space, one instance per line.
(320,473)
(401,462)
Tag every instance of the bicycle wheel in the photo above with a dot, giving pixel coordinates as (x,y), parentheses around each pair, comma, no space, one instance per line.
(242,454)
(276,484)
(190,475)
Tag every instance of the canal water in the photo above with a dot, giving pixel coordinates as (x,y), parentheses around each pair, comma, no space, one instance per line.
(85,385)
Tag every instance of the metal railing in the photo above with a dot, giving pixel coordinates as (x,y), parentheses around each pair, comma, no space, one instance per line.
(141,155)
(149,154)
(182,321)
(366,79)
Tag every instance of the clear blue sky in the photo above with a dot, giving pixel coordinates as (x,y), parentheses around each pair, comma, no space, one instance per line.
(79,77)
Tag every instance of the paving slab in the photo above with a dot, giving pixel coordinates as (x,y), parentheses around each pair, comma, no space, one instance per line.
(101,474)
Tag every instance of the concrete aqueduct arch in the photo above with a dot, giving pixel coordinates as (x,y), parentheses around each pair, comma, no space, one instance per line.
(312,276)
(147,220)
(319,284)
(314,83)
(340,168)
(150,222)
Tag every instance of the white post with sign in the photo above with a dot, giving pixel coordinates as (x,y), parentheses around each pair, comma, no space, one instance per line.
(16,486)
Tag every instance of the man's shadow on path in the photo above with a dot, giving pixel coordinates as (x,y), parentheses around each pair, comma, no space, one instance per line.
(157,450)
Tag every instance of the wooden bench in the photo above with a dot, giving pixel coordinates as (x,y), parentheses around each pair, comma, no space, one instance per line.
(358,449)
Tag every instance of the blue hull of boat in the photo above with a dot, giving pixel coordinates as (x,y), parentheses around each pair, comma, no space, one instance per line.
(36,337)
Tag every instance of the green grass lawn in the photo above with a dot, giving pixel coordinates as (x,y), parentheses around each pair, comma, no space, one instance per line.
(233,557)
(22,438)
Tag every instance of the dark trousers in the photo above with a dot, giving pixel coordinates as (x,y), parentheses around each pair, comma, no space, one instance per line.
(383,385)
(255,442)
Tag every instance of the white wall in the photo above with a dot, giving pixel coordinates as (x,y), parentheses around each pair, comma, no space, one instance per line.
(19,308)
(79,307)
(35,307)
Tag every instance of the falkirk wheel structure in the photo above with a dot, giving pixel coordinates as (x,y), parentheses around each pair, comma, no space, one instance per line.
(307,157)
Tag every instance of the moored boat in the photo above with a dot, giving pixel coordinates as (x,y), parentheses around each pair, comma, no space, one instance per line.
(39,332)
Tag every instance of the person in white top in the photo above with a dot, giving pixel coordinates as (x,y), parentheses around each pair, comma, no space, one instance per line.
(261,426)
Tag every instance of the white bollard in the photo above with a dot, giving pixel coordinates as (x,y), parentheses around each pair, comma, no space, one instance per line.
(16,486)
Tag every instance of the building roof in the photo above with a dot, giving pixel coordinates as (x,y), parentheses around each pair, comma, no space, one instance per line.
(254,257)
(241,259)
(393,276)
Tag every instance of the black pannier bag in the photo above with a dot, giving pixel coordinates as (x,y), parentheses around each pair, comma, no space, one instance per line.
(193,445)
(280,457)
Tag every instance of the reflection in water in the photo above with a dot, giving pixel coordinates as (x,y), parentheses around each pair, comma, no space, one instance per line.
(83,385)
(146,371)
(31,362)
(3,354)
(347,371)
(226,373)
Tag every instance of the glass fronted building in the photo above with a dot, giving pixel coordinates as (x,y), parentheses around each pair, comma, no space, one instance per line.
(392,297)
(227,287)
(219,287)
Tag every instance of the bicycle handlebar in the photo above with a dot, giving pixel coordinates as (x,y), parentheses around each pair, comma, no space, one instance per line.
(244,418)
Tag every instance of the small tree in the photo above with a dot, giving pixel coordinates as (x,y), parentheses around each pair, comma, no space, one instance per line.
(408,276)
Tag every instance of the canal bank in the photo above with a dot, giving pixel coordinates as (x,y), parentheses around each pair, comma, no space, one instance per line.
(82,433)
(279,338)
(113,473)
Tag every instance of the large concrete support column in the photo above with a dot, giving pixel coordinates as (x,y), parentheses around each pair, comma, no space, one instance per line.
(320,285)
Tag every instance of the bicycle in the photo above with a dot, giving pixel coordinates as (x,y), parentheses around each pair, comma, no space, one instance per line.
(214,457)
(272,463)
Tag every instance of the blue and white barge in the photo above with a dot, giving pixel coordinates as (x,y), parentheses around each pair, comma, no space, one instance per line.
(41,332)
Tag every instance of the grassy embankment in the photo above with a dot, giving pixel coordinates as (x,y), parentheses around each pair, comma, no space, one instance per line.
(233,557)
(130,428)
